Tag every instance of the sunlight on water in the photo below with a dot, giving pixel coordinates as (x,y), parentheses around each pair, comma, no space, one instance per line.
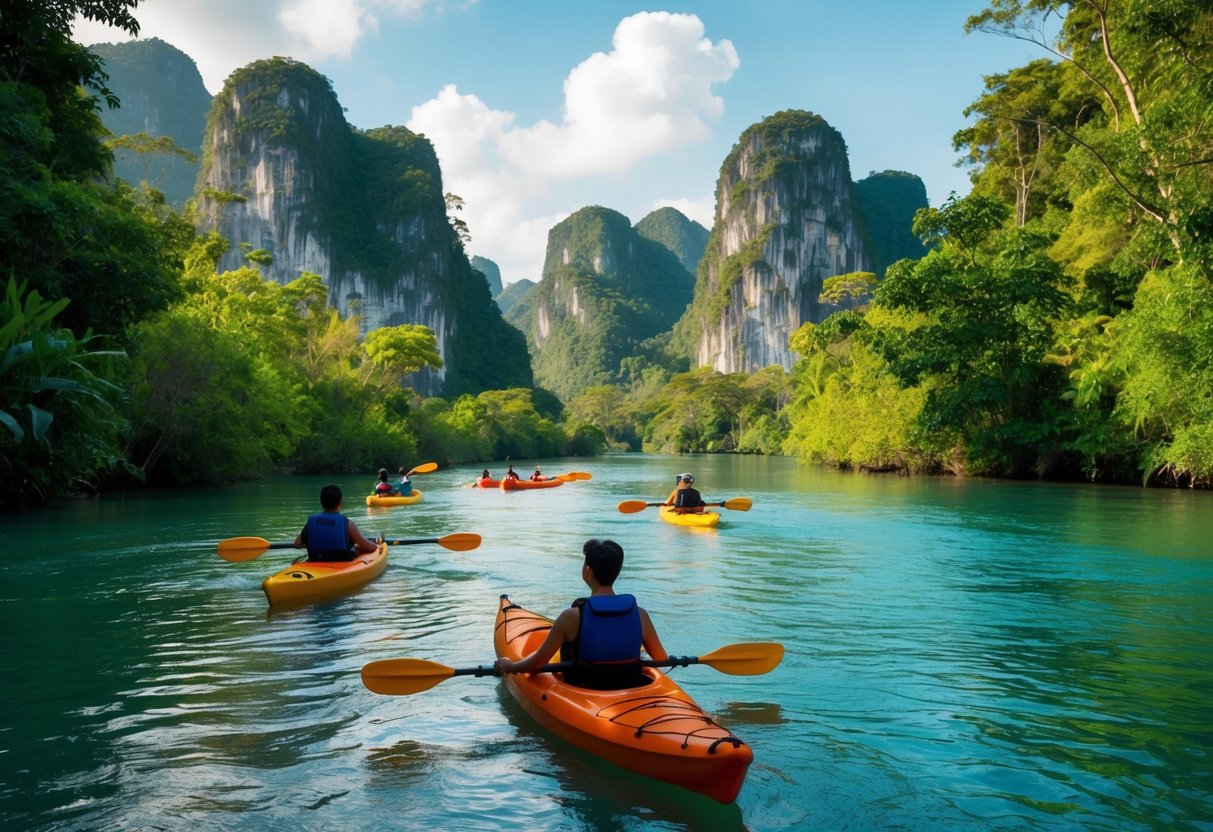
(959,655)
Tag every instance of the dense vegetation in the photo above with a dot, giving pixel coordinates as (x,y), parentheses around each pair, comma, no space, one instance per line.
(605,289)
(128,355)
(1061,325)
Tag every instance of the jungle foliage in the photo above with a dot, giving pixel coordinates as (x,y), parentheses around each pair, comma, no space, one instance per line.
(1060,325)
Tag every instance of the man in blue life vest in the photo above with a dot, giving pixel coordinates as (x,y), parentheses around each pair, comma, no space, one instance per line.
(602,634)
(330,535)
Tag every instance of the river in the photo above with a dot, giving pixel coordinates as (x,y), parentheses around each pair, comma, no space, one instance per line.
(960,655)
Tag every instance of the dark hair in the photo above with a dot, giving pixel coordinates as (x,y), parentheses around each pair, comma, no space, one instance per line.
(402,471)
(330,497)
(605,559)
(383,473)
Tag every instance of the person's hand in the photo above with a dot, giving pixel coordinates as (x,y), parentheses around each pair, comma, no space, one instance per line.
(380,540)
(502,666)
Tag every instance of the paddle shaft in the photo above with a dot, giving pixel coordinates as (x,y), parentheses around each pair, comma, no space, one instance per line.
(560,667)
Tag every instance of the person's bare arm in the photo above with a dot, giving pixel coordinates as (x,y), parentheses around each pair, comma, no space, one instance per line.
(652,644)
(364,546)
(563,629)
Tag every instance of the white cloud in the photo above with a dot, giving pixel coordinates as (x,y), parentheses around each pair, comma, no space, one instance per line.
(651,94)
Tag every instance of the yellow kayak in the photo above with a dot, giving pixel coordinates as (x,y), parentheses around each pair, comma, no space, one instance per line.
(375,500)
(314,579)
(699,520)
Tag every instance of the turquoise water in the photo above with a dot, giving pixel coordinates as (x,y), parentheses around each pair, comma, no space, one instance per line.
(961,655)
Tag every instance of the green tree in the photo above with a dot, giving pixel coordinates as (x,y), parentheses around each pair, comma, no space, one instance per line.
(59,402)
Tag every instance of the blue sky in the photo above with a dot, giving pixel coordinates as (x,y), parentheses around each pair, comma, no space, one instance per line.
(537,109)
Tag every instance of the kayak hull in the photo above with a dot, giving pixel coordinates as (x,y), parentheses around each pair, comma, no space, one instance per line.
(486,482)
(306,580)
(375,501)
(704,520)
(529,485)
(655,730)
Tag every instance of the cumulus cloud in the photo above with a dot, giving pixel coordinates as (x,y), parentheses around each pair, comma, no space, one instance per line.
(650,94)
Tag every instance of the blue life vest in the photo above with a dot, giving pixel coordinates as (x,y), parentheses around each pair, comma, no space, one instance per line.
(327,537)
(607,647)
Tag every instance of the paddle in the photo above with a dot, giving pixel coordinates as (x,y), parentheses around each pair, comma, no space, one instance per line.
(401,677)
(423,468)
(238,549)
(735,504)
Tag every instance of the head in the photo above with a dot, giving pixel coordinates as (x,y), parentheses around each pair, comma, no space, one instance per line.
(403,470)
(330,497)
(536,469)
(383,473)
(485,474)
(687,479)
(604,559)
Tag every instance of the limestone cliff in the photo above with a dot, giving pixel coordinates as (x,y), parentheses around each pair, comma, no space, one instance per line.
(888,201)
(605,288)
(162,94)
(787,218)
(512,295)
(680,234)
(363,209)
(491,272)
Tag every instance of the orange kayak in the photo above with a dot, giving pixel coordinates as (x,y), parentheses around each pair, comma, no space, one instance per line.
(527,485)
(699,520)
(656,730)
(314,578)
(485,482)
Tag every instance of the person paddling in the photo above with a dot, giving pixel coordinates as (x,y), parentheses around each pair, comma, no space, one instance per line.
(330,535)
(404,487)
(685,497)
(538,475)
(602,634)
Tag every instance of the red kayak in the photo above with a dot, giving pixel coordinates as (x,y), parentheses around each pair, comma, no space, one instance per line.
(527,485)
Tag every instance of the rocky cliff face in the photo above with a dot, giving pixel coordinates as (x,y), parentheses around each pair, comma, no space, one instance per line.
(605,288)
(364,210)
(889,200)
(787,218)
(491,272)
(162,94)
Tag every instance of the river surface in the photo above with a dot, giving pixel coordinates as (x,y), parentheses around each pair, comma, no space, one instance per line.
(960,655)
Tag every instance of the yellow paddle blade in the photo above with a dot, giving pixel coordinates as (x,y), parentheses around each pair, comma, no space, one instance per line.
(739,504)
(747,659)
(237,549)
(424,468)
(582,475)
(633,506)
(460,541)
(400,677)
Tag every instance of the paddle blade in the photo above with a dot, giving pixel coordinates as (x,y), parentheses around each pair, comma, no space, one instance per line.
(747,659)
(400,677)
(237,549)
(738,504)
(582,475)
(460,541)
(633,506)
(424,468)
